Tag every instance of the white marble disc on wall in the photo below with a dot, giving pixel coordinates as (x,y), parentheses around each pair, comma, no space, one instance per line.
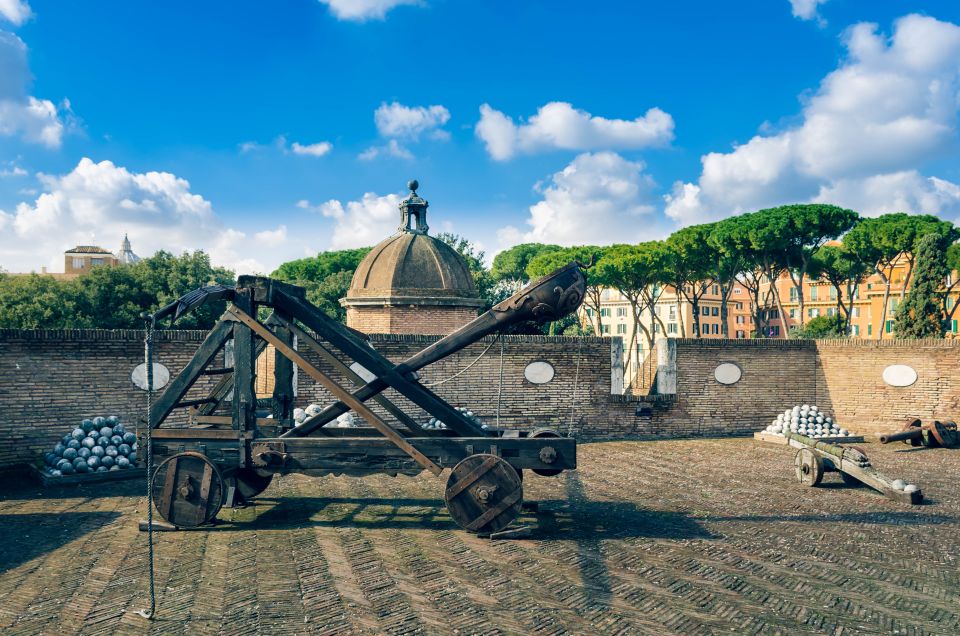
(160,376)
(727,373)
(539,372)
(899,375)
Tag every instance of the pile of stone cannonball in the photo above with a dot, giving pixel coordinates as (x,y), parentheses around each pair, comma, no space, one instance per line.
(100,445)
(434,424)
(344,421)
(806,420)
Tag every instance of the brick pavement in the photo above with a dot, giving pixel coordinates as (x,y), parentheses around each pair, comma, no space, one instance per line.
(685,537)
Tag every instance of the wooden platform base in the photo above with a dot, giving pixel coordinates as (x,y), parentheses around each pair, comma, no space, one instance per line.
(772,438)
(46,479)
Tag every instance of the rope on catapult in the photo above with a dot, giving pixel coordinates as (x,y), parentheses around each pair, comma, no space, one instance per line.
(464,369)
(148,354)
(576,383)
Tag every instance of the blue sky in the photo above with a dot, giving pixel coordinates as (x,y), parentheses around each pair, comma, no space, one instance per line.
(263,132)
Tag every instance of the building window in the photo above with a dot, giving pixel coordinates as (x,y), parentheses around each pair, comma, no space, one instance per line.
(813,293)
(793,313)
(833,293)
(813,312)
(95,262)
(621,312)
(774,313)
(893,304)
(869,286)
(954,325)
(656,327)
(739,306)
(856,330)
(716,311)
(716,290)
(658,309)
(740,320)
(832,311)
(604,312)
(605,329)
(775,331)
(672,314)
(889,326)
(870,329)
(671,327)
(589,312)
(951,301)
(736,290)
(77,263)
(621,329)
(793,295)
(740,334)
(716,328)
(855,312)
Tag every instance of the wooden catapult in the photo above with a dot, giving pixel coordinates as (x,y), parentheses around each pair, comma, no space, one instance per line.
(224,459)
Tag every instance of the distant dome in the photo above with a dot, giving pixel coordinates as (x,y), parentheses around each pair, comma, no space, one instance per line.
(411,269)
(126,256)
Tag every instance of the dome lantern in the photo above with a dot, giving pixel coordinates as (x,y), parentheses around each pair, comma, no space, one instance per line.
(414,208)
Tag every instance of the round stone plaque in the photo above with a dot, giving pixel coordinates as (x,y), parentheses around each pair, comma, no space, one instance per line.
(899,375)
(160,376)
(727,373)
(539,372)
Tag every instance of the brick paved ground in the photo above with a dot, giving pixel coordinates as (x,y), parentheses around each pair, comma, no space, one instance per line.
(688,537)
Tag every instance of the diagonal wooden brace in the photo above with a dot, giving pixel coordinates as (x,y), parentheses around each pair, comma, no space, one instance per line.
(334,361)
(338,391)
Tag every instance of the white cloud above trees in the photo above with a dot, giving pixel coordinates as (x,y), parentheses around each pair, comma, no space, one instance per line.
(363,10)
(360,223)
(22,115)
(888,109)
(558,125)
(598,198)
(15,11)
(806,9)
(400,125)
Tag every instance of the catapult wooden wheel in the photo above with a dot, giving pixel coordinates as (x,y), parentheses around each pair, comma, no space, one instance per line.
(809,467)
(546,432)
(249,482)
(484,494)
(188,490)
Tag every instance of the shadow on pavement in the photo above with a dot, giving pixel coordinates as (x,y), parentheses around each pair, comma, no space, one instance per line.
(25,537)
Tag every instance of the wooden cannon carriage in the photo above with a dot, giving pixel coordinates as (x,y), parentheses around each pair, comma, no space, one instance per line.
(223,457)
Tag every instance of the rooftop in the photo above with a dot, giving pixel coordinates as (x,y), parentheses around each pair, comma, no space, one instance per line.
(88,249)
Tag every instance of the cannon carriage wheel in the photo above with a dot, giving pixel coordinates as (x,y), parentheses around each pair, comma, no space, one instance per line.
(484,493)
(188,490)
(809,467)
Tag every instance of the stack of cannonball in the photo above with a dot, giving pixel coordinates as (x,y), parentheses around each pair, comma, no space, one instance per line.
(100,445)
(806,420)
(344,421)
(433,424)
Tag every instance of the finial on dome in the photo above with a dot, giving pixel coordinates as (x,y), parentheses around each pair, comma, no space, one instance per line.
(413,208)
(413,184)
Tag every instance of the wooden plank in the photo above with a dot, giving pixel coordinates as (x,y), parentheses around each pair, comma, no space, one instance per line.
(204,492)
(244,366)
(387,373)
(490,514)
(773,438)
(168,485)
(188,376)
(336,390)
(378,453)
(283,394)
(199,433)
(227,420)
(337,364)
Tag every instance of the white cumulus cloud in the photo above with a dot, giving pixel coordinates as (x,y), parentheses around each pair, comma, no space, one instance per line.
(362,10)
(598,198)
(888,108)
(390,149)
(98,202)
(15,11)
(314,150)
(558,125)
(805,9)
(21,114)
(397,120)
(361,223)
(897,191)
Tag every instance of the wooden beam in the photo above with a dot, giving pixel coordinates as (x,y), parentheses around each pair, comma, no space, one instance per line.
(189,374)
(386,372)
(244,365)
(283,393)
(337,364)
(341,393)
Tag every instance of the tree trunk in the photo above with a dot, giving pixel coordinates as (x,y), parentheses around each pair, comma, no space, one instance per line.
(779,302)
(906,279)
(683,328)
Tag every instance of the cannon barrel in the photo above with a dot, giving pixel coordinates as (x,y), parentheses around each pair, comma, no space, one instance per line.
(549,298)
(913,433)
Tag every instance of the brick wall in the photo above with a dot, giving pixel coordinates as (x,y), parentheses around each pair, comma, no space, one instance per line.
(409,320)
(844,377)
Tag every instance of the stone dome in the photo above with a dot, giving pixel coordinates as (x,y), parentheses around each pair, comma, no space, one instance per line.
(413,268)
(411,282)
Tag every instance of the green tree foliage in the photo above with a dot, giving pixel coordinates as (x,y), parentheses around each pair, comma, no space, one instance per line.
(326,277)
(733,254)
(885,240)
(920,315)
(690,262)
(474,258)
(950,303)
(821,327)
(111,297)
(512,264)
(844,271)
